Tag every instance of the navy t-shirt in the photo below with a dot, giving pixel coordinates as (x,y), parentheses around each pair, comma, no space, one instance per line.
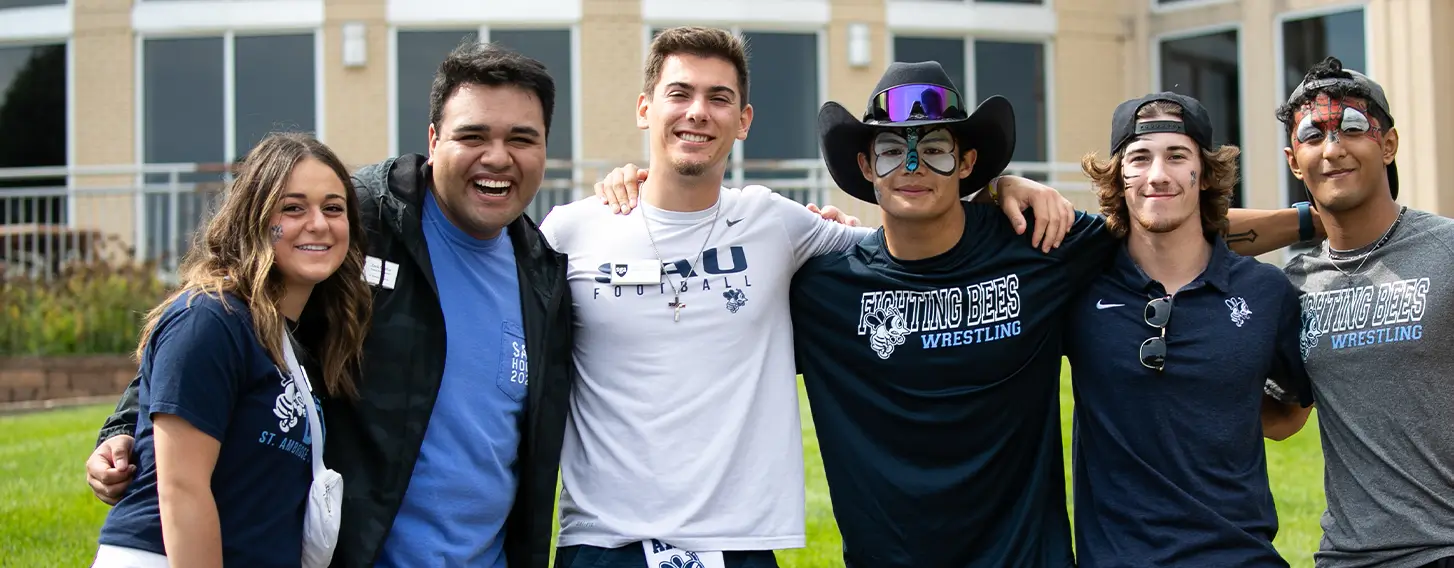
(1170,466)
(934,386)
(205,365)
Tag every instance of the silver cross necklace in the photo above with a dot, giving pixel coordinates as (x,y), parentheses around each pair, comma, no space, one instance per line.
(676,303)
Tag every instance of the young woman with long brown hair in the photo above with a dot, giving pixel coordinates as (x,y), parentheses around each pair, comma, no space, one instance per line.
(223,443)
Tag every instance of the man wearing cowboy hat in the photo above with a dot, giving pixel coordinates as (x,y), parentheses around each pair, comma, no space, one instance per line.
(931,350)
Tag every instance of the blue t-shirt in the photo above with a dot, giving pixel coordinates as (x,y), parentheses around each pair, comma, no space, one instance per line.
(934,386)
(1170,466)
(205,365)
(464,480)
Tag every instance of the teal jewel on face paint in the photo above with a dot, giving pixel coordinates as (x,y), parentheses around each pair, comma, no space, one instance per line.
(912,163)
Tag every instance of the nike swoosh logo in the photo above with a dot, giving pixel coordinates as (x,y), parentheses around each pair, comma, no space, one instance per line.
(1101,305)
(731,222)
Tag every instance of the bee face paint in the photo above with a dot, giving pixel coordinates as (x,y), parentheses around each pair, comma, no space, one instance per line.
(913,149)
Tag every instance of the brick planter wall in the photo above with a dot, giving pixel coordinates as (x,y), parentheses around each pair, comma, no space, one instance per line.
(24,379)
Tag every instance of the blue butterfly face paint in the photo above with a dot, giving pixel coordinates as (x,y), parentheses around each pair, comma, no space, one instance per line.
(912,149)
(913,142)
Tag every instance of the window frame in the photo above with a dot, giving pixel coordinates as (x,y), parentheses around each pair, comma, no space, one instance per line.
(229,108)
(229,84)
(34,26)
(736,173)
(1164,7)
(1156,86)
(1279,48)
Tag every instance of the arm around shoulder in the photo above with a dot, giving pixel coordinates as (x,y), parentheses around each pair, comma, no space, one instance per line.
(1287,399)
(122,421)
(1251,232)
(808,233)
(1280,421)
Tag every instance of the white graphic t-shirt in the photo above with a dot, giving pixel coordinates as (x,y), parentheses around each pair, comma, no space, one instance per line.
(686,430)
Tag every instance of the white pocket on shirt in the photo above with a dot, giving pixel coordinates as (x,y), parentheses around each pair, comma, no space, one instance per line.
(514,364)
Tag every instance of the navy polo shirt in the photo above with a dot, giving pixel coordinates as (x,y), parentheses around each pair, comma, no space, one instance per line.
(934,386)
(1170,468)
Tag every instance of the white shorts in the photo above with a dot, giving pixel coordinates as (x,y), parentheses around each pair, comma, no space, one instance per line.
(117,557)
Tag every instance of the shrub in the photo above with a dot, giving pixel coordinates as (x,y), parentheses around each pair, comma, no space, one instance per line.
(90,308)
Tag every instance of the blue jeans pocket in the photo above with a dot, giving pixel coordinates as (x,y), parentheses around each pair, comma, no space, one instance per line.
(514,364)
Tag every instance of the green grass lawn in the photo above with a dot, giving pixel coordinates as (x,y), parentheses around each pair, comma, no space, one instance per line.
(49,518)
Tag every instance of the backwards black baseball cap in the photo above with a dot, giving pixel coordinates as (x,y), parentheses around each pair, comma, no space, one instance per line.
(1194,121)
(1355,85)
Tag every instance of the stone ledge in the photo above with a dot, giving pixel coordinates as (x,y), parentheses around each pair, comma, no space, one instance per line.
(37,379)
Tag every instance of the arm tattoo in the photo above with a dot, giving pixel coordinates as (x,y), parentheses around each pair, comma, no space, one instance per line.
(1245,236)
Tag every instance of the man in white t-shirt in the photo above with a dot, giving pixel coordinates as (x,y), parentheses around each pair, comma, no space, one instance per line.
(684,439)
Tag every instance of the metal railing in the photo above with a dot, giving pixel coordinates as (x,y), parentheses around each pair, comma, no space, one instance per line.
(53,216)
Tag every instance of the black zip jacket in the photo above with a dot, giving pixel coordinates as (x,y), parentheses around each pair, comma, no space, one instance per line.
(374,441)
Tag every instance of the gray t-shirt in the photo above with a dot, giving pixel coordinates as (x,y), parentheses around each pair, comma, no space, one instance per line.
(1377,347)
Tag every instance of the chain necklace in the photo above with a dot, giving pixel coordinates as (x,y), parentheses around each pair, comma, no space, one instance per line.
(676,300)
(1381,241)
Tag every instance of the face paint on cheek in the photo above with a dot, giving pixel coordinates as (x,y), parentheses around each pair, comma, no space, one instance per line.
(938,152)
(1127,181)
(889,152)
(1193,177)
(277,232)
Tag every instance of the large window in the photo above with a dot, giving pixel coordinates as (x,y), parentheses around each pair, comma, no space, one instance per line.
(1017,72)
(1205,67)
(1305,42)
(32,128)
(783,68)
(1011,69)
(185,118)
(418,56)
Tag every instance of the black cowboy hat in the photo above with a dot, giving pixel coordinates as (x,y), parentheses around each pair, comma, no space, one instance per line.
(990,129)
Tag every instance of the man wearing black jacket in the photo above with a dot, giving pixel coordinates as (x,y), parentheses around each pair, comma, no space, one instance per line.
(450,453)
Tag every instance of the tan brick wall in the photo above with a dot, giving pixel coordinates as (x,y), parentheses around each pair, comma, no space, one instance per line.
(850,86)
(105,109)
(1411,59)
(356,99)
(1089,60)
(611,60)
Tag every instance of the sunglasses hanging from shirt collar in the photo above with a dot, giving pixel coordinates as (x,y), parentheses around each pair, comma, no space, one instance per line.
(1153,350)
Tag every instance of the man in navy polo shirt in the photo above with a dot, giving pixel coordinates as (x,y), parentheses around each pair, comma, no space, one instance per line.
(1170,350)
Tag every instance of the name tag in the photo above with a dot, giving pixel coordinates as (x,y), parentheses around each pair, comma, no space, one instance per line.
(636,272)
(661,554)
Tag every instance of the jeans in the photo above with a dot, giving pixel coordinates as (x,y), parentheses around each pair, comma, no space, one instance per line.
(632,556)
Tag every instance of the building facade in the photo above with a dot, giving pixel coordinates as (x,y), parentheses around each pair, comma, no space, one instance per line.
(112,90)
